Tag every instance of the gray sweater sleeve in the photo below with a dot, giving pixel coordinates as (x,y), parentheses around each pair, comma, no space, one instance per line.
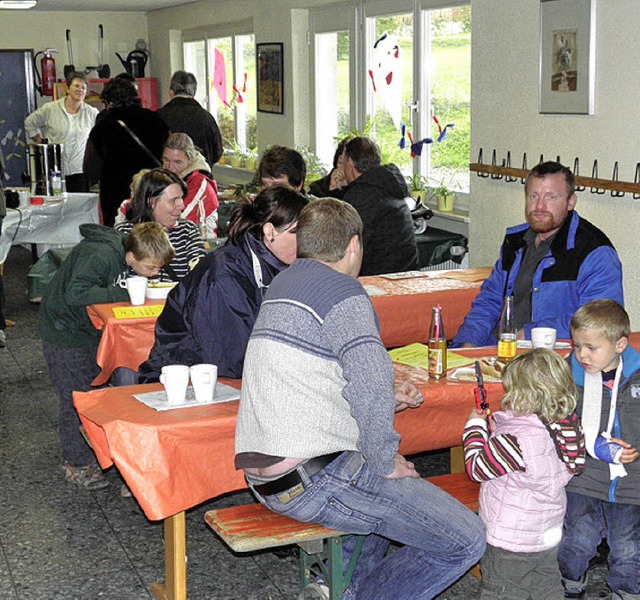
(351,330)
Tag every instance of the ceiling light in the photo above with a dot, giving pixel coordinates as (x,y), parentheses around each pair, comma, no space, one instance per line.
(17,4)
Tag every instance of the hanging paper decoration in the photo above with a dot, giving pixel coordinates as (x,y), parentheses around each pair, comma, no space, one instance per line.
(220,77)
(385,75)
(237,94)
(416,147)
(442,130)
(403,142)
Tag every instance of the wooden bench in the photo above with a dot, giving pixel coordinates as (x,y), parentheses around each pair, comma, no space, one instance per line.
(254,527)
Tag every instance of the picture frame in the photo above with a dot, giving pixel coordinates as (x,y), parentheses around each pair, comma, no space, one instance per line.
(567,56)
(269,69)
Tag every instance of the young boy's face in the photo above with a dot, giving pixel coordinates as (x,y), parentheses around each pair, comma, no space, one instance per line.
(595,352)
(145,267)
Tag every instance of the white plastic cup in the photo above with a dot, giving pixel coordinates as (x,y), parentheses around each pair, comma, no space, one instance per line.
(543,337)
(137,288)
(175,379)
(203,380)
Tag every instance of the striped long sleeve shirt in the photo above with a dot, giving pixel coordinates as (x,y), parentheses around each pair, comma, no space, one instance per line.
(488,458)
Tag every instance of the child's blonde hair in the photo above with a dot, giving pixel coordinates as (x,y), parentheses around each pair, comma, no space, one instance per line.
(539,382)
(604,315)
(150,240)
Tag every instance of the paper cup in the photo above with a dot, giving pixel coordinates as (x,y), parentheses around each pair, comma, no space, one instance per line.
(137,288)
(543,337)
(203,380)
(175,379)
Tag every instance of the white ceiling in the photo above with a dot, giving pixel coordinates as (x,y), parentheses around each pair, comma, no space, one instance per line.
(107,5)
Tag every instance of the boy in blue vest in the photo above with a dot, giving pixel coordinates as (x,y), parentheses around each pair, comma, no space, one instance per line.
(604,502)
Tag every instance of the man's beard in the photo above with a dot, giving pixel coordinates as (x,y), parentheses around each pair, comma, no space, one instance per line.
(544,225)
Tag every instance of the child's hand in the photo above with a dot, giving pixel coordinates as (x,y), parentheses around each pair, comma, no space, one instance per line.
(477,414)
(629,454)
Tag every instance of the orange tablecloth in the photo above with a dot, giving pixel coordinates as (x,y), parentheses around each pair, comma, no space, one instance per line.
(176,459)
(404,312)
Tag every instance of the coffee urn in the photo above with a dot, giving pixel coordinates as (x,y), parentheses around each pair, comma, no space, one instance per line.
(43,160)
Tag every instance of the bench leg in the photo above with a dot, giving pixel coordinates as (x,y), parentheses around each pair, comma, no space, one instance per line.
(327,556)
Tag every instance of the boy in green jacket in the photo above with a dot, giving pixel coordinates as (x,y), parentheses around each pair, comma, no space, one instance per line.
(93,273)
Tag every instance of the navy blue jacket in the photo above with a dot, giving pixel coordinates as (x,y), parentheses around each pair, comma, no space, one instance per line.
(581,265)
(209,315)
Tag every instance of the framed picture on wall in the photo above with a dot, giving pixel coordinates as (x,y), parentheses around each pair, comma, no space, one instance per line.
(269,68)
(567,56)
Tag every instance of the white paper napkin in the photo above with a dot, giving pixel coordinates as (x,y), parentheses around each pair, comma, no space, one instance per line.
(158,400)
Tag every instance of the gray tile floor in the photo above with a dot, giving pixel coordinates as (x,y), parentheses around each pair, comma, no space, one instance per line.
(58,542)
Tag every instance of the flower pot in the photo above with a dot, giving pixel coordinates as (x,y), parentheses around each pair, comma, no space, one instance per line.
(222,160)
(445,202)
(250,164)
(236,162)
(419,196)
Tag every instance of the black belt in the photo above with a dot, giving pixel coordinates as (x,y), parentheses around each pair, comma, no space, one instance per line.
(310,467)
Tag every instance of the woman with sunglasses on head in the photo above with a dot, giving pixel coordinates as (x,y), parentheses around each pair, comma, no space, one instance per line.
(158,196)
(209,315)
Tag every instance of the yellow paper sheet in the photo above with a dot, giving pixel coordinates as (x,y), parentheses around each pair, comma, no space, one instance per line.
(136,312)
(415,355)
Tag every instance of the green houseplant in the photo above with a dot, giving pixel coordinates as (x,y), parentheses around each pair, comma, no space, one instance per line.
(418,186)
(442,192)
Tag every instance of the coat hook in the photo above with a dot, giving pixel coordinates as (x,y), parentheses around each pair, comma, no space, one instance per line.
(576,174)
(480,162)
(594,175)
(508,165)
(636,179)
(494,164)
(524,166)
(541,159)
(614,177)
(558,159)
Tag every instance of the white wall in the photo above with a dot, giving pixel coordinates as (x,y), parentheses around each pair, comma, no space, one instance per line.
(39,30)
(504,110)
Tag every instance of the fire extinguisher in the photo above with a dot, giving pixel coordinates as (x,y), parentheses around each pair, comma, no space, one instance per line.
(47,75)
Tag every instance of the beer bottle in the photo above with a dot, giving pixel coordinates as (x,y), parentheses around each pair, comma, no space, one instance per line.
(507,337)
(437,360)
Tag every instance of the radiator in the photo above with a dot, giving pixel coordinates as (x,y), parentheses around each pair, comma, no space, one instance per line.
(450,265)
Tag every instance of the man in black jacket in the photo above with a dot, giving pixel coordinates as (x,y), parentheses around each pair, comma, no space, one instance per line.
(378,194)
(183,114)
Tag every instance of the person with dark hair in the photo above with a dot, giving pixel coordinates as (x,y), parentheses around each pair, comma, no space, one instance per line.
(378,193)
(128,77)
(181,157)
(158,196)
(315,429)
(95,271)
(209,315)
(183,114)
(280,165)
(67,121)
(126,139)
(335,180)
(552,264)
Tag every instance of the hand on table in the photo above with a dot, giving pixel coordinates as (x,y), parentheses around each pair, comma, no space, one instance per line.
(629,454)
(407,395)
(403,468)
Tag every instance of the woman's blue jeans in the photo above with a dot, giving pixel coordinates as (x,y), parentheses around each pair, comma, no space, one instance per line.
(442,538)
(589,520)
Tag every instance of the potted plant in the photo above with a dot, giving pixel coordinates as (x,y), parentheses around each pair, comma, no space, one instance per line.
(237,155)
(250,160)
(442,193)
(418,187)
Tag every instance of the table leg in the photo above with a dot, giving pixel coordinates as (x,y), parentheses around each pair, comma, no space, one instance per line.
(175,560)
(456,458)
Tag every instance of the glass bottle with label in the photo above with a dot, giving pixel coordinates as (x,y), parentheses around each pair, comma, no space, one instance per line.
(437,345)
(507,338)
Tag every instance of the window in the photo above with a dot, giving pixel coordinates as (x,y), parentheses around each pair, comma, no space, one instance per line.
(416,66)
(227,64)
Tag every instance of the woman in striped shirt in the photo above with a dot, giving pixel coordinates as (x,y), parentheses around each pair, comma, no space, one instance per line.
(523,462)
(159,197)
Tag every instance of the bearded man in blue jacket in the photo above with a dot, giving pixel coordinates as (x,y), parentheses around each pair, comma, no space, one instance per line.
(552,264)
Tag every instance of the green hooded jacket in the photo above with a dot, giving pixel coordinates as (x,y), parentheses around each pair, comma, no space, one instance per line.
(91,274)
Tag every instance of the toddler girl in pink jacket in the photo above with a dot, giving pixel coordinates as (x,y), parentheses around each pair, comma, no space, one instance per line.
(523,462)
